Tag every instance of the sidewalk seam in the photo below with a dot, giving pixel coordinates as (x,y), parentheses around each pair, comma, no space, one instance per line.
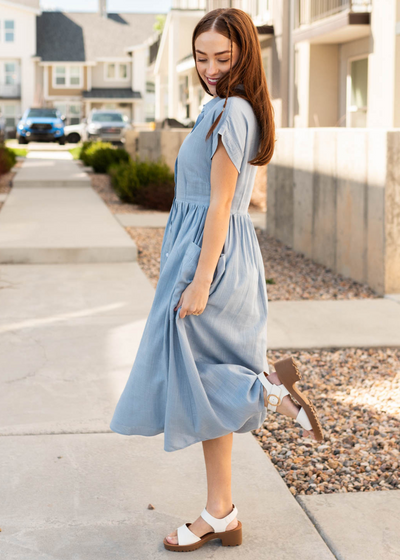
(319,529)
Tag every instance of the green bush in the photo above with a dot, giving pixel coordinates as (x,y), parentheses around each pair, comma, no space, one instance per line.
(147,183)
(83,153)
(7,159)
(100,155)
(102,158)
(125,181)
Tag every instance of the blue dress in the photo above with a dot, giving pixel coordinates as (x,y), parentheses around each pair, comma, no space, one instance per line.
(196,378)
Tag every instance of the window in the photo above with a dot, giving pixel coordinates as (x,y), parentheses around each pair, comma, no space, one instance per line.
(67,76)
(75,76)
(150,87)
(72,111)
(10,73)
(111,71)
(8,31)
(116,71)
(60,75)
(357,92)
(10,113)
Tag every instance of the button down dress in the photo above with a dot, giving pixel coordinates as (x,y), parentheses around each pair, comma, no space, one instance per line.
(195,378)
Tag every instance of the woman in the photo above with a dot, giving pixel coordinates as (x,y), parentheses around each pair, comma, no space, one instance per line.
(199,371)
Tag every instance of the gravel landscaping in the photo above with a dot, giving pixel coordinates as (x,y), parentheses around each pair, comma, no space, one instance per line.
(295,277)
(357,395)
(356,391)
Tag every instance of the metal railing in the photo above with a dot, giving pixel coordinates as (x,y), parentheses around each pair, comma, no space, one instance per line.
(310,11)
(11,91)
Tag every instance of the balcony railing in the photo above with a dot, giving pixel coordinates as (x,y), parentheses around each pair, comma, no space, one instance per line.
(10,91)
(310,11)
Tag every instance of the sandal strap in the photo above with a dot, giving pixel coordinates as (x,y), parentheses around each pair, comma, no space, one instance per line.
(275,393)
(303,419)
(219,525)
(186,536)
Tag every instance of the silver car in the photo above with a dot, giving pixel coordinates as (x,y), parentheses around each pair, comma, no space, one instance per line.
(108,126)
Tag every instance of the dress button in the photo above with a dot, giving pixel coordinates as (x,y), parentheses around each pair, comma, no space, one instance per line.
(166,254)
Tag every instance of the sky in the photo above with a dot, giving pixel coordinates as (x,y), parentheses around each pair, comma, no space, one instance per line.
(157,6)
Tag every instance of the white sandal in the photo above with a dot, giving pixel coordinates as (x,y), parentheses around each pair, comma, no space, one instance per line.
(188,541)
(289,374)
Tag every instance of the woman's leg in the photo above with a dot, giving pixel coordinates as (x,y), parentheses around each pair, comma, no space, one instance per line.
(218,460)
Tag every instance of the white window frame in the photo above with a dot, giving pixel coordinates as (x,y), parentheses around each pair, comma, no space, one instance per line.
(266,52)
(67,84)
(117,75)
(349,84)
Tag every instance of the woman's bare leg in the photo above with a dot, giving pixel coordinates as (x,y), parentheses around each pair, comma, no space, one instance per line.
(218,460)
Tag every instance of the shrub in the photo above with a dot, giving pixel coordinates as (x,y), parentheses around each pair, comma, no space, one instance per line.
(100,155)
(7,159)
(83,153)
(125,181)
(157,185)
(102,158)
(150,184)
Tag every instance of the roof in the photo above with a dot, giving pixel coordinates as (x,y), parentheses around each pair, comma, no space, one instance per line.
(30,4)
(114,93)
(80,37)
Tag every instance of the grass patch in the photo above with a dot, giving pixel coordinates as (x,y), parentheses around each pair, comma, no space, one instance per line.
(75,152)
(270,281)
(19,151)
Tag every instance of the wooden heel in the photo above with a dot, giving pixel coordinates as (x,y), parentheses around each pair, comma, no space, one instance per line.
(287,371)
(232,538)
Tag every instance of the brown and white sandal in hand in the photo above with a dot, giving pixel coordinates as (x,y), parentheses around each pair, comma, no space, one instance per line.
(289,374)
(188,541)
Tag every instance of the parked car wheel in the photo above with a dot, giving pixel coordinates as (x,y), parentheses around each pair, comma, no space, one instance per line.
(62,141)
(22,140)
(73,138)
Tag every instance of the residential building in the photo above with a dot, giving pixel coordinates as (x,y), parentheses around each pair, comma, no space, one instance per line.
(95,60)
(178,91)
(346,63)
(327,62)
(17,48)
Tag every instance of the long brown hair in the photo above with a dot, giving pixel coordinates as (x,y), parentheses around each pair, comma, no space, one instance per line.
(237,26)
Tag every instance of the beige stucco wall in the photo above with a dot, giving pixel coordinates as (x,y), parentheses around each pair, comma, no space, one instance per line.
(397,71)
(98,80)
(334,195)
(323,85)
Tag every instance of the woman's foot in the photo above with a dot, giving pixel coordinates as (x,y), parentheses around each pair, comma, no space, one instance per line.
(201,527)
(287,407)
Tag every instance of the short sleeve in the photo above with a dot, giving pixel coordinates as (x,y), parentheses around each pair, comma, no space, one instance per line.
(233,128)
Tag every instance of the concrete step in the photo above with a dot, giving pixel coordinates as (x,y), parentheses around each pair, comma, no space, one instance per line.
(38,172)
(61,225)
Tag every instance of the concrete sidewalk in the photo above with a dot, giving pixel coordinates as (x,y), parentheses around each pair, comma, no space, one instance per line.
(46,219)
(70,332)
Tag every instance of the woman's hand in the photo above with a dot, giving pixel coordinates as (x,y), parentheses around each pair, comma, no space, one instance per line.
(193,298)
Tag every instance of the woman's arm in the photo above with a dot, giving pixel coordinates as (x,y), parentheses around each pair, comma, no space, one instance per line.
(223,183)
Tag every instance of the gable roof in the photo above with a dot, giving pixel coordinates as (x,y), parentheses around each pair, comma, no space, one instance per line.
(80,37)
(31,5)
